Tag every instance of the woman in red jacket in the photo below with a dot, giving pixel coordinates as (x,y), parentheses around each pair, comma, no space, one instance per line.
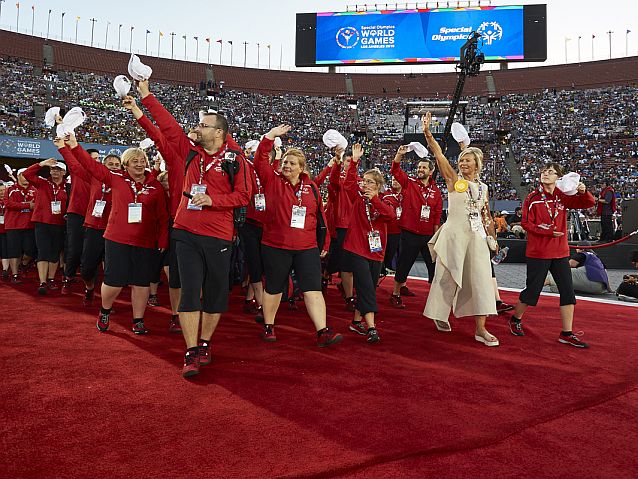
(19,203)
(545,221)
(137,227)
(290,236)
(48,216)
(365,241)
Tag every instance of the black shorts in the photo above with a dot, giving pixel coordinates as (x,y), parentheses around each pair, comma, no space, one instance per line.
(126,265)
(537,270)
(92,253)
(3,246)
(250,243)
(49,240)
(159,258)
(335,260)
(173,269)
(279,262)
(20,242)
(204,265)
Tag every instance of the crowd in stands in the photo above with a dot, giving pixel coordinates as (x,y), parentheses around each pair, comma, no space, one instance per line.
(591,131)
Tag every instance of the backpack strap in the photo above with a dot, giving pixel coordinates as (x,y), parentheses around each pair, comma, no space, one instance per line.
(191,154)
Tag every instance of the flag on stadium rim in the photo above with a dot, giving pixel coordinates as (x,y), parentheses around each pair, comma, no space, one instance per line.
(207,40)
(220,41)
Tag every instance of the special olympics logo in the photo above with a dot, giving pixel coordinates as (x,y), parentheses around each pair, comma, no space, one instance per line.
(347,37)
(490,31)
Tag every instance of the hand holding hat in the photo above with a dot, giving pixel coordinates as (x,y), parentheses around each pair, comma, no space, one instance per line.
(122,85)
(569,183)
(418,148)
(146,143)
(138,70)
(74,118)
(460,135)
(332,138)
(49,116)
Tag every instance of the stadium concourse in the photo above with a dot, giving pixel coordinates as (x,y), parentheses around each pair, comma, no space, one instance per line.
(420,403)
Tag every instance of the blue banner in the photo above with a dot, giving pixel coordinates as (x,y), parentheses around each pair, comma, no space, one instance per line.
(418,36)
(38,149)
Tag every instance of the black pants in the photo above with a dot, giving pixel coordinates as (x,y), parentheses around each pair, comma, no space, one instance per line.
(606,228)
(537,270)
(279,262)
(20,242)
(391,249)
(174,281)
(92,253)
(49,240)
(335,259)
(250,243)
(365,273)
(410,245)
(74,243)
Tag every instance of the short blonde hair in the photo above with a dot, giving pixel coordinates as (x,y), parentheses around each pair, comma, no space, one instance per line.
(130,153)
(297,153)
(376,176)
(478,157)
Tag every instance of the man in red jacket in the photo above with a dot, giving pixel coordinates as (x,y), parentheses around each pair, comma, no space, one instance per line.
(422,206)
(19,204)
(545,221)
(605,208)
(204,226)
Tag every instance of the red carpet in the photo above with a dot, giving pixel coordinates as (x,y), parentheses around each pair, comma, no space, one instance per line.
(77,403)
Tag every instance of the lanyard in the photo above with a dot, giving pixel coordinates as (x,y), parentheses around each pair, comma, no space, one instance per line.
(55,188)
(216,159)
(105,190)
(256,176)
(554,214)
(371,216)
(298,192)
(425,190)
(470,195)
(134,189)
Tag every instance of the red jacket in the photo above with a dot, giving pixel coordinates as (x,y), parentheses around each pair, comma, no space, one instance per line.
(175,177)
(380,214)
(97,189)
(540,226)
(394,200)
(281,196)
(343,203)
(78,203)
(599,206)
(152,232)
(2,214)
(416,195)
(215,220)
(47,191)
(17,214)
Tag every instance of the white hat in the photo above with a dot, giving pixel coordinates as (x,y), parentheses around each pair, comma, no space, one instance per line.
(138,70)
(203,113)
(251,145)
(49,116)
(9,184)
(146,143)
(505,212)
(459,133)
(122,85)
(20,171)
(8,168)
(74,118)
(277,144)
(60,165)
(332,138)
(418,148)
(568,184)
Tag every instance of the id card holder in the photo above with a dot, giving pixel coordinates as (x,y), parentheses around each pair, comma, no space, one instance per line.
(425,212)
(374,240)
(260,202)
(135,212)
(475,221)
(196,190)
(298,217)
(399,210)
(98,208)
(1,219)
(56,207)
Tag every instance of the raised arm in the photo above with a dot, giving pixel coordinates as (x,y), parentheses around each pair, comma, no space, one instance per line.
(31,173)
(95,169)
(396,169)
(323,174)
(350,185)
(263,168)
(582,200)
(76,170)
(442,162)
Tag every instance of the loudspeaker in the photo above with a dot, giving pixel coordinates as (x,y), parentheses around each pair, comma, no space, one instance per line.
(630,219)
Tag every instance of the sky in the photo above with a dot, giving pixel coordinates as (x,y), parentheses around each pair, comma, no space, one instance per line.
(273,23)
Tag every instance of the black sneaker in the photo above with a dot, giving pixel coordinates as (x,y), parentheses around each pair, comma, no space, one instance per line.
(138,328)
(42,289)
(373,336)
(102,322)
(358,327)
(88,297)
(516,326)
(572,340)
(327,336)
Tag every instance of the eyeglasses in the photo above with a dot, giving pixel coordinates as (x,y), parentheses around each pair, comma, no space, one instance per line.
(549,172)
(369,182)
(204,125)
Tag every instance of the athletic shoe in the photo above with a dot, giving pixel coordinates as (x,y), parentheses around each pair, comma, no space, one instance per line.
(174,325)
(573,340)
(66,287)
(516,326)
(268,334)
(406,292)
(396,302)
(205,357)
(88,297)
(42,289)
(191,364)
(351,304)
(138,328)
(5,275)
(358,327)
(259,317)
(373,336)
(324,285)
(152,300)
(51,285)
(15,279)
(250,306)
(327,337)
(102,322)
(503,307)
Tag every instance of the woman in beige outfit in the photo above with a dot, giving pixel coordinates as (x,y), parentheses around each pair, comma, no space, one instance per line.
(463,279)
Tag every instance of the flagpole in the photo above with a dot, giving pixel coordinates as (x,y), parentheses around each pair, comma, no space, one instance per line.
(258,55)
(130,43)
(32,18)
(196,48)
(281,53)
(245,45)
(268,57)
(48,23)
(77,22)
(106,36)
(566,40)
(579,48)
(231,52)
(208,54)
(184,38)
(172,43)
(17,17)
(119,36)
(159,39)
(592,47)
(93,20)
(146,42)
(609,33)
(627,42)
(62,27)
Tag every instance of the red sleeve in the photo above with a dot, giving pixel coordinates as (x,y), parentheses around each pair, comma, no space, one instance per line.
(530,221)
(335,176)
(31,175)
(75,168)
(350,184)
(162,221)
(577,201)
(165,149)
(14,205)
(264,170)
(168,126)
(321,177)
(399,174)
(97,170)
(385,210)
(240,195)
